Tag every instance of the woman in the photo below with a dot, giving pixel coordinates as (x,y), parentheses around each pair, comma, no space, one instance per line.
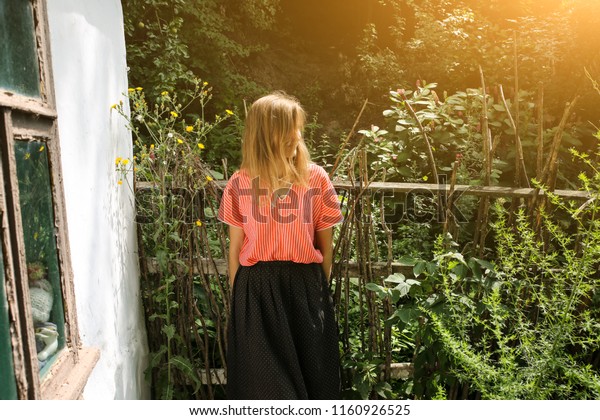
(281,209)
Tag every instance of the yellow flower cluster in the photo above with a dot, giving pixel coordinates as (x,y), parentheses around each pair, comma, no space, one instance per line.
(121,161)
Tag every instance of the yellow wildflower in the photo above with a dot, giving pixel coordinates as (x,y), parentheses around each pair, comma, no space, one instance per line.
(41,149)
(113,106)
(198,223)
(174,114)
(205,84)
(125,161)
(131,90)
(189,128)
(425,178)
(138,88)
(209,178)
(200,146)
(164,93)
(230,112)
(120,182)
(118,160)
(151,147)
(179,141)
(27,155)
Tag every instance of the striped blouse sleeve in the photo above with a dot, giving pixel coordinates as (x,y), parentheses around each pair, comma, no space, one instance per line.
(329,213)
(229,209)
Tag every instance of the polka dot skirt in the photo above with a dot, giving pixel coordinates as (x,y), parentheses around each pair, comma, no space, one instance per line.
(283,338)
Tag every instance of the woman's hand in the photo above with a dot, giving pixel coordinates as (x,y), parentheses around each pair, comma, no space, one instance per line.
(236,239)
(324,243)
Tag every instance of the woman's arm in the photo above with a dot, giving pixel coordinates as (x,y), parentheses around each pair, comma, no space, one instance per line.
(236,239)
(324,243)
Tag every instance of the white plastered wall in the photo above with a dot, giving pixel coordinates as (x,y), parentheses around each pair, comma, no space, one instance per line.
(90,74)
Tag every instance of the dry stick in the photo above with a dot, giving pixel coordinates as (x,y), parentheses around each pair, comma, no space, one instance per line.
(425,136)
(522,171)
(343,146)
(221,329)
(539,166)
(485,129)
(550,169)
(193,310)
(548,176)
(515,123)
(449,205)
(540,136)
(364,251)
(484,203)
(203,343)
(387,333)
(387,231)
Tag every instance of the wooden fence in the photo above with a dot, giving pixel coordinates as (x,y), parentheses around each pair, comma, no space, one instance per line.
(204,344)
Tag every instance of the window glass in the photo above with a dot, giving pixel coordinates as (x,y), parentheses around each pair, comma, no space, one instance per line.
(8,387)
(37,214)
(19,68)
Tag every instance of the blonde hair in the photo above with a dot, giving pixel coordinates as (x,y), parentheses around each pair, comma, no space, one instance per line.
(273,149)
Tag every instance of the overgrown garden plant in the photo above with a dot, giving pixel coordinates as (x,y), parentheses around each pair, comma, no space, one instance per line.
(526,326)
(186,309)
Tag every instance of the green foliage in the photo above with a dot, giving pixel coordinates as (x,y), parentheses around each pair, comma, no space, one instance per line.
(523,327)
(171,43)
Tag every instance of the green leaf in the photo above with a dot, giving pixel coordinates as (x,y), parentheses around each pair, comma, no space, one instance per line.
(395,278)
(162,257)
(383,389)
(185,366)
(483,263)
(407,315)
(362,386)
(169,330)
(216,174)
(406,260)
(461,271)
(374,287)
(155,357)
(476,268)
(419,268)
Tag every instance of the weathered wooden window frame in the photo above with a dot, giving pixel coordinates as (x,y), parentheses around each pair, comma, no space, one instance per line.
(35,119)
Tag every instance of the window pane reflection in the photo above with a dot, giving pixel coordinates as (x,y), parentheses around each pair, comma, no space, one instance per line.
(43,272)
(19,68)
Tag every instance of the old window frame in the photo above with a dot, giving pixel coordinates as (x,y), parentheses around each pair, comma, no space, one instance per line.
(27,118)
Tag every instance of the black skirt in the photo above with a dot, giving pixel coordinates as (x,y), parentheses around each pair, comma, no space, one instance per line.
(282,337)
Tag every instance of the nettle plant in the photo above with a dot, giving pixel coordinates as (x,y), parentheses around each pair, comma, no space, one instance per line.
(523,326)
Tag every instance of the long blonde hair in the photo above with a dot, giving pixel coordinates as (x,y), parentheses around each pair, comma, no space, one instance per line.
(273,149)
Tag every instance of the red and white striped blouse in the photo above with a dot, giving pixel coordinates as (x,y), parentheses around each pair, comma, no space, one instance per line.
(281,227)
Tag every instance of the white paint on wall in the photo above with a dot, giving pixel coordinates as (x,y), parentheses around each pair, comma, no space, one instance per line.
(90,74)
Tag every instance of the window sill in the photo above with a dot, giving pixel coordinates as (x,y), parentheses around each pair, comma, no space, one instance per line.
(69,374)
